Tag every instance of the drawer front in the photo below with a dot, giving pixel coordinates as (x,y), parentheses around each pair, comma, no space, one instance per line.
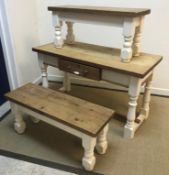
(80,69)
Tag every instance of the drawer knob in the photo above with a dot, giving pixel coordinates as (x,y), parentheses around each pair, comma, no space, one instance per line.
(76,72)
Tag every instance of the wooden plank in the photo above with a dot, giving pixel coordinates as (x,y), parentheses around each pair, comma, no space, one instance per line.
(115,11)
(74,112)
(102,57)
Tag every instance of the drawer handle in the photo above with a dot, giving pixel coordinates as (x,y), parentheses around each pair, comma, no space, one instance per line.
(76,72)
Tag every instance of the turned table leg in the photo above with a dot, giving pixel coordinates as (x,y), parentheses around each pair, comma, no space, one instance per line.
(19,124)
(70,37)
(134,90)
(66,83)
(43,68)
(44,75)
(102,142)
(58,38)
(137,38)
(146,98)
(128,33)
(89,160)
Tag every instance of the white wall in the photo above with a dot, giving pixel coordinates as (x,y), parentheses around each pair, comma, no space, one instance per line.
(31,23)
(22,16)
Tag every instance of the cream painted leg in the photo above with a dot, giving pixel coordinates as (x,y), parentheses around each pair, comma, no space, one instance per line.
(134,90)
(66,83)
(19,124)
(58,39)
(89,160)
(137,38)
(102,142)
(128,33)
(44,75)
(70,38)
(146,98)
(35,120)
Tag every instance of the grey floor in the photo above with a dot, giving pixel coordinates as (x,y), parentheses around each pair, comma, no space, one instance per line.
(10,166)
(146,154)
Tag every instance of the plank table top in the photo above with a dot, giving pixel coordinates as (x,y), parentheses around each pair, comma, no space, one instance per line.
(74,112)
(115,11)
(102,57)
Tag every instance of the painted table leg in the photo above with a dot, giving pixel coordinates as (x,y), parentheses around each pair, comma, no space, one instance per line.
(19,124)
(137,38)
(66,83)
(44,75)
(35,120)
(70,37)
(58,39)
(89,160)
(128,33)
(102,142)
(134,90)
(146,98)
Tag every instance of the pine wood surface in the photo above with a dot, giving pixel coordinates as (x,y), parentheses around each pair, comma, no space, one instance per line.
(117,11)
(77,113)
(102,57)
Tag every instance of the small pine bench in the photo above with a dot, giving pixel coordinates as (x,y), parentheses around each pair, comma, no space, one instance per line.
(81,118)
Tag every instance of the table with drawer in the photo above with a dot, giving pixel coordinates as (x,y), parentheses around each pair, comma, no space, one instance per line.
(103,64)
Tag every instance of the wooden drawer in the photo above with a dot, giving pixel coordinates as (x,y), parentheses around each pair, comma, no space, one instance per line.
(80,69)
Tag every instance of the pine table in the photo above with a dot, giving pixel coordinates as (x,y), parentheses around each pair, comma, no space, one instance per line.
(103,63)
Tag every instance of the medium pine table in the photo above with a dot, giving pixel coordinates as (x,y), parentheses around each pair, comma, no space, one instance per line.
(129,19)
(103,63)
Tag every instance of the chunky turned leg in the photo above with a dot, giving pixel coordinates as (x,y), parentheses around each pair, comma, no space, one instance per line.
(89,159)
(134,90)
(137,38)
(44,75)
(58,39)
(128,33)
(66,83)
(43,68)
(146,98)
(70,38)
(102,142)
(35,120)
(19,124)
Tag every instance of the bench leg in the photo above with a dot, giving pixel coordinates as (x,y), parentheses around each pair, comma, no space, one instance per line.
(70,37)
(128,33)
(89,159)
(102,142)
(58,39)
(137,38)
(19,124)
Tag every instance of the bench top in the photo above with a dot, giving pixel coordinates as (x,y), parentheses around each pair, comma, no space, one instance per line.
(116,11)
(102,57)
(77,113)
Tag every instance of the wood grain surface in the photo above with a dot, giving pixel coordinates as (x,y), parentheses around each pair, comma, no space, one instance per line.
(102,57)
(116,11)
(74,112)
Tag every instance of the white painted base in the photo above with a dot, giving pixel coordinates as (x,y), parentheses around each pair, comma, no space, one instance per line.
(88,142)
(101,84)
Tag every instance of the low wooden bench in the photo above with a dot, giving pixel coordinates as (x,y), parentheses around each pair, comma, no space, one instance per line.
(76,116)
